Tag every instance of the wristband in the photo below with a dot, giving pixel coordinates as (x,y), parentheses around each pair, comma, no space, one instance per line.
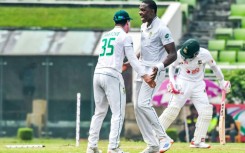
(160,66)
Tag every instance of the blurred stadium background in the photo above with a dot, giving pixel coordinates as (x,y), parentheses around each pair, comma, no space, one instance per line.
(48,54)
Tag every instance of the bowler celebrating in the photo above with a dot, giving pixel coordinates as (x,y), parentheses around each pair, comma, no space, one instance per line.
(108,83)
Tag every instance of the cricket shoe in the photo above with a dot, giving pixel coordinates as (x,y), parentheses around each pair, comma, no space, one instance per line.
(164,145)
(116,150)
(170,139)
(152,149)
(202,144)
(93,150)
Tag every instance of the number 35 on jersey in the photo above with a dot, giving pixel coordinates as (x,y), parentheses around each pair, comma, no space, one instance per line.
(107,48)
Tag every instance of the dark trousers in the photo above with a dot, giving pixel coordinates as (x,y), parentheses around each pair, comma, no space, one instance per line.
(214,134)
(182,135)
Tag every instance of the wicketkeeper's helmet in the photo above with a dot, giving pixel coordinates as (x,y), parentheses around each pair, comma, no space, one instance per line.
(190,48)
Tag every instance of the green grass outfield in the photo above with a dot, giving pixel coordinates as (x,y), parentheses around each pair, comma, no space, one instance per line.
(68,146)
(64,17)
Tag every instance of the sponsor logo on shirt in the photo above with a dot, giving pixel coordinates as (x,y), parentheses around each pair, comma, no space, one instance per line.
(196,70)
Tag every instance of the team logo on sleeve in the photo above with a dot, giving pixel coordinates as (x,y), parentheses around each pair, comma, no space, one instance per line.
(199,62)
(167,35)
(150,34)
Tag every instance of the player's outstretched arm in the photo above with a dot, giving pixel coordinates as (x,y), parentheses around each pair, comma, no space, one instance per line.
(134,62)
(172,54)
(224,85)
(171,72)
(172,86)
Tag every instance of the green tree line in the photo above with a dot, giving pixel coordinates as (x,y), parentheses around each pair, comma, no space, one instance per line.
(237,79)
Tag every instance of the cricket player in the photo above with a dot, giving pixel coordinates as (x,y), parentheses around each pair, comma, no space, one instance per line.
(108,83)
(157,50)
(189,84)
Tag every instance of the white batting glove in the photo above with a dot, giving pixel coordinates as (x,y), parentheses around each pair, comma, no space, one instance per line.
(225,85)
(174,88)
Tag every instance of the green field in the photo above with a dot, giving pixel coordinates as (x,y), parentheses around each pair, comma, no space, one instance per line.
(64,17)
(68,146)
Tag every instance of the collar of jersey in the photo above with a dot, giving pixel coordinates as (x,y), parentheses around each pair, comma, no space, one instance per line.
(151,23)
(119,27)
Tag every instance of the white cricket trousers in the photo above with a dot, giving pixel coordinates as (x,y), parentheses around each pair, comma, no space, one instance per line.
(145,114)
(194,91)
(109,90)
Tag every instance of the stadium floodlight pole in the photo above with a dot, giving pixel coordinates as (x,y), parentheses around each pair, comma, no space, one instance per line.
(78,119)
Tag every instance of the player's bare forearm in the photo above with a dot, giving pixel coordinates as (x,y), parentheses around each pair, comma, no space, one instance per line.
(170,59)
(154,73)
(148,79)
(172,54)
